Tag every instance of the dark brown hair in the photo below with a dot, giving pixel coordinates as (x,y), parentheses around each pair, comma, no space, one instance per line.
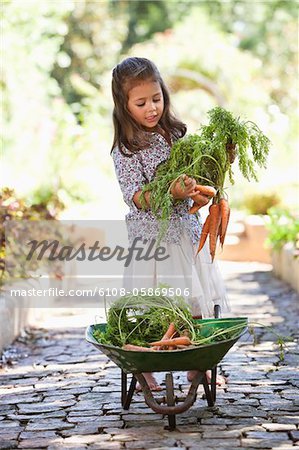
(127,131)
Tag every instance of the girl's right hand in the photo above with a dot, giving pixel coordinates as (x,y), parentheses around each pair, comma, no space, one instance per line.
(181,193)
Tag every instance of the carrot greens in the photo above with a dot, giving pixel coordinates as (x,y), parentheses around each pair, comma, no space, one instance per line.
(141,319)
(207,157)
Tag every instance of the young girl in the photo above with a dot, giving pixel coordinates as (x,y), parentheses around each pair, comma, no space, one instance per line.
(144,131)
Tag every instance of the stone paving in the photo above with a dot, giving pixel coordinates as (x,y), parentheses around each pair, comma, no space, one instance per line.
(62,393)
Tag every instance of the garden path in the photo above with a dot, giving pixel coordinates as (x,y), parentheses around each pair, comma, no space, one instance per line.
(62,393)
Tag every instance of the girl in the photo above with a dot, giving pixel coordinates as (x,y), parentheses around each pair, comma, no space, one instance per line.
(144,131)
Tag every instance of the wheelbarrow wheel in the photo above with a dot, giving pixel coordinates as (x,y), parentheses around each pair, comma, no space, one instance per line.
(170,399)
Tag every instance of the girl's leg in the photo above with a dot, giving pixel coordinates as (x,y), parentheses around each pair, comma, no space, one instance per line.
(151,381)
(220,380)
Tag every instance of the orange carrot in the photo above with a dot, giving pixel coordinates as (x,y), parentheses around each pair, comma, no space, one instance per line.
(204,234)
(199,202)
(170,332)
(194,208)
(225,213)
(200,198)
(214,227)
(219,230)
(137,348)
(209,191)
(182,340)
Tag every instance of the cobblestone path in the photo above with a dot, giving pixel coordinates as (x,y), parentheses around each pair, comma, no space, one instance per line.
(61,393)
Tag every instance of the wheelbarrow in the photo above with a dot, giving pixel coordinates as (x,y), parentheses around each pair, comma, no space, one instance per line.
(205,357)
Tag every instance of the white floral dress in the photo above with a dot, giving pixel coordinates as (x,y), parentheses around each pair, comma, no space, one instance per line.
(193,276)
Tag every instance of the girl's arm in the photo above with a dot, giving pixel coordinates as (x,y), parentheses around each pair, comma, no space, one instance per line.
(130,175)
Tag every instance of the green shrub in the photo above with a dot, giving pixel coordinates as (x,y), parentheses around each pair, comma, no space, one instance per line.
(13,208)
(260,203)
(283,228)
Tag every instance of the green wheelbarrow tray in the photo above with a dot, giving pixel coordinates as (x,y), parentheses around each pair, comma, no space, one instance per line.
(201,358)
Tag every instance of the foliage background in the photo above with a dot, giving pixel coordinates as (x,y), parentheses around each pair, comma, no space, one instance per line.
(57,59)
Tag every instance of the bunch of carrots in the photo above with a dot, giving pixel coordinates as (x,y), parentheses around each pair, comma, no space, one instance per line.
(170,341)
(216,222)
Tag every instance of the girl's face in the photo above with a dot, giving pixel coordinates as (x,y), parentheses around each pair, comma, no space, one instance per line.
(146,103)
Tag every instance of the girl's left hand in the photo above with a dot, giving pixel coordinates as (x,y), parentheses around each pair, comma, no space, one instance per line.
(180,193)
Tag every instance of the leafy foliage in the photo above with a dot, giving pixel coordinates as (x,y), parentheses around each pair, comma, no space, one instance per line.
(267,30)
(145,18)
(16,209)
(260,203)
(282,228)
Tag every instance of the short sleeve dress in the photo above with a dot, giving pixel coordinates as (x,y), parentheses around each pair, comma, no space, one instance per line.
(195,277)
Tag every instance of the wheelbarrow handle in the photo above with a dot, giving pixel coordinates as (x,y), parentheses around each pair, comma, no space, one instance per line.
(217,311)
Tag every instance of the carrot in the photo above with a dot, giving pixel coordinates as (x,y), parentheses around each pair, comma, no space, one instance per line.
(204,234)
(225,213)
(199,202)
(182,340)
(171,330)
(137,348)
(194,208)
(200,198)
(209,191)
(219,230)
(214,227)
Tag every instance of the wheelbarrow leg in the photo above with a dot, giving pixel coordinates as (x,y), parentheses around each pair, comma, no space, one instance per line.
(208,392)
(124,379)
(213,383)
(170,399)
(126,396)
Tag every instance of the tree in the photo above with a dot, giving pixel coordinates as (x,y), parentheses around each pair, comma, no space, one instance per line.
(145,18)
(267,29)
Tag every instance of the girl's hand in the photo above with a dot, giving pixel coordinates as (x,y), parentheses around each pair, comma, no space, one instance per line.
(181,193)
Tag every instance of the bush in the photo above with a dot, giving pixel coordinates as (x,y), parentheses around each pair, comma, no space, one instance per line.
(260,203)
(283,228)
(13,208)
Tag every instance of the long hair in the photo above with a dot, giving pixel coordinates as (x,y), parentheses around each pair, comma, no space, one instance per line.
(127,131)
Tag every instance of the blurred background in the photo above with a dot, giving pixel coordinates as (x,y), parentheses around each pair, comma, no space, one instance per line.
(56,101)
(56,130)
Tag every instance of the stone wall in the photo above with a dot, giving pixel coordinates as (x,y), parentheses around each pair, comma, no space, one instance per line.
(16,313)
(245,240)
(286,265)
